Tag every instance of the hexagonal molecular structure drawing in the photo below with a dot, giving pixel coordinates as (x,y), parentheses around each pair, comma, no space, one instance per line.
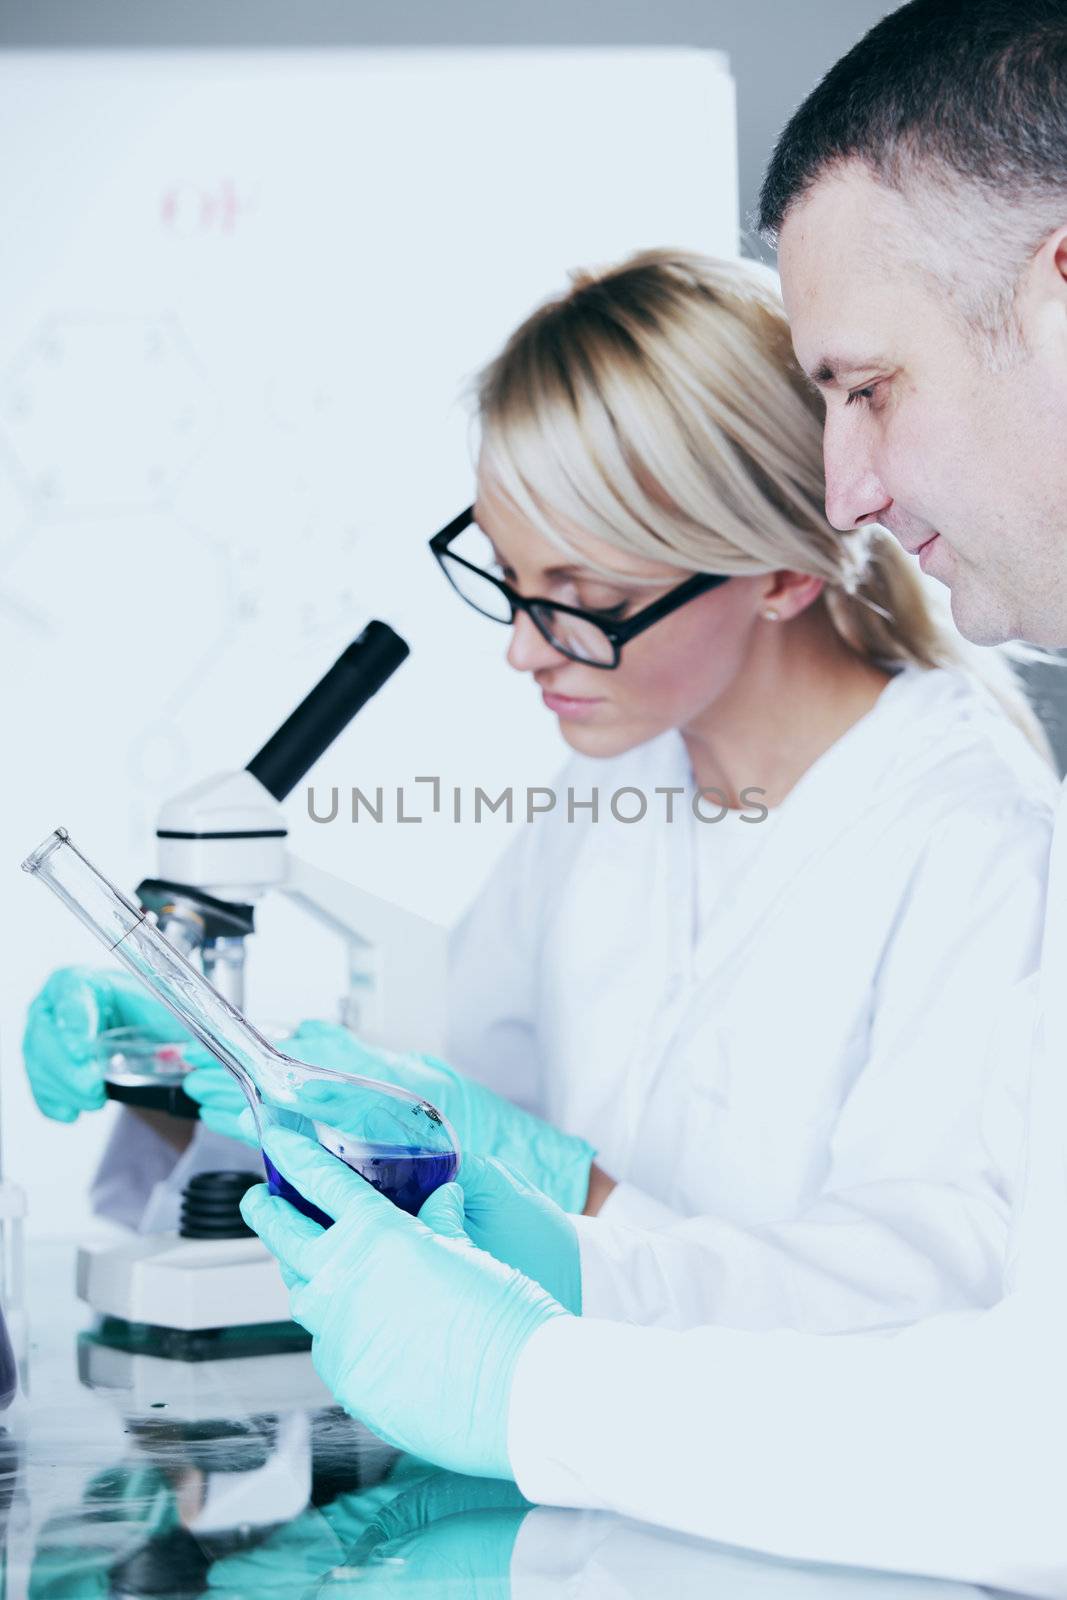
(104,413)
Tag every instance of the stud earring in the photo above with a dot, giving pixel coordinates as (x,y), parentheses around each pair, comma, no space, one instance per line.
(770,614)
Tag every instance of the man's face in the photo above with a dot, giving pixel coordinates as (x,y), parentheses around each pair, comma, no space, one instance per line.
(964,461)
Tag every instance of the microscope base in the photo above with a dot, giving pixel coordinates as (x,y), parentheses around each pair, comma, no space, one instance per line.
(198,1390)
(189,1284)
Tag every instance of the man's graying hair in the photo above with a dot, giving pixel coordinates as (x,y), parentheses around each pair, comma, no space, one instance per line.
(960,106)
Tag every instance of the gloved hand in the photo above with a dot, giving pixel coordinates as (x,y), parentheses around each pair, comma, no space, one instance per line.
(313,1543)
(414,1330)
(486,1124)
(65,1020)
(223,1107)
(121,1510)
(505,1215)
(455,1533)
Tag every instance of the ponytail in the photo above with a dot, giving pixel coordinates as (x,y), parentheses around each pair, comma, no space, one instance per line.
(891,616)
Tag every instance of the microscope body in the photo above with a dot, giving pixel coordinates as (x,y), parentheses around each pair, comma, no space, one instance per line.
(223,846)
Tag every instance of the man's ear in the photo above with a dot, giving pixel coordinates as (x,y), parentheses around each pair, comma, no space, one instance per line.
(1057,246)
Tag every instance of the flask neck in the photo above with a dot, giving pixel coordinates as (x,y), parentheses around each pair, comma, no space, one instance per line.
(125,930)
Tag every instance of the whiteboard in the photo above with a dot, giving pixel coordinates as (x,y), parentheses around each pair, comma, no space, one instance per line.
(244,297)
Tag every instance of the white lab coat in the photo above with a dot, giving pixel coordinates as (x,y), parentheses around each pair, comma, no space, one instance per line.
(938,1449)
(140,1178)
(595,1557)
(796,1100)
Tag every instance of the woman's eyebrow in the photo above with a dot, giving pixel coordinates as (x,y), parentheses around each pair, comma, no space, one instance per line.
(620,579)
(614,580)
(585,572)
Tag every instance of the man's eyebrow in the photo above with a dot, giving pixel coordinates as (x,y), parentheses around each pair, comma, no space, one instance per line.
(829,371)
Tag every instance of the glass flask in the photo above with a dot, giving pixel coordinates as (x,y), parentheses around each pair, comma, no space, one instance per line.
(400,1144)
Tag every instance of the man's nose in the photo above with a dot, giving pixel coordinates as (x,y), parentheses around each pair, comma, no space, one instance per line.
(529,650)
(854,491)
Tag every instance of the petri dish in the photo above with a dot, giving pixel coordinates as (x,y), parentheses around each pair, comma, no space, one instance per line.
(133,1059)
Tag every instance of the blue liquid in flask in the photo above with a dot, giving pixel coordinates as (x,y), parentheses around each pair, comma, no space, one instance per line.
(406,1177)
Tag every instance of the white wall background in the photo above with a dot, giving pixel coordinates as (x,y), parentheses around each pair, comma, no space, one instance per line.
(242,296)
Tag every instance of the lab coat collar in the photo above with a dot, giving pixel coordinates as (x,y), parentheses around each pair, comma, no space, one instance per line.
(836,794)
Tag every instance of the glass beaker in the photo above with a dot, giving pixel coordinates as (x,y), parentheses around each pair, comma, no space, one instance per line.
(397,1142)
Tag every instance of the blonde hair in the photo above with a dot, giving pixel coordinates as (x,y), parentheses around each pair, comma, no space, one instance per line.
(658,406)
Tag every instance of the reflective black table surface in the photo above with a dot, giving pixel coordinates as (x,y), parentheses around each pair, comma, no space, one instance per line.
(129,1473)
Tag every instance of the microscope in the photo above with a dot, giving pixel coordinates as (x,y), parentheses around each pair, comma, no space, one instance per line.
(222,847)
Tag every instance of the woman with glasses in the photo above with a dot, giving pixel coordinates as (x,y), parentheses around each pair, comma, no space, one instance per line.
(739,1015)
(762,1025)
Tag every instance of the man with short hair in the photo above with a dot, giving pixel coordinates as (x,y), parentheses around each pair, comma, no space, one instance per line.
(920,198)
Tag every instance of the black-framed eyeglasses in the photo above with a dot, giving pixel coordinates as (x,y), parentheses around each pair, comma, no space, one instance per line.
(586,636)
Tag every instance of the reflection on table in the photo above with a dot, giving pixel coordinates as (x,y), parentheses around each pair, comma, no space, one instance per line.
(129,1473)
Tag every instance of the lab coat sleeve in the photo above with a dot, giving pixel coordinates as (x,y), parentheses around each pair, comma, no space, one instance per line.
(589,1556)
(494,958)
(937,1449)
(141,1176)
(135,1161)
(911,1217)
(492,980)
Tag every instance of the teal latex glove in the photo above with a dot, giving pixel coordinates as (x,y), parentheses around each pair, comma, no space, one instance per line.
(414,1330)
(220,1097)
(505,1215)
(65,1020)
(313,1544)
(485,1123)
(122,1508)
(454,1533)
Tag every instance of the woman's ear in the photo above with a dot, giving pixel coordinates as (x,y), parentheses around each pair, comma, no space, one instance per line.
(787,594)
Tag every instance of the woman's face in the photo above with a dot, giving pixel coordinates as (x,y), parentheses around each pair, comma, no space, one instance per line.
(666,678)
